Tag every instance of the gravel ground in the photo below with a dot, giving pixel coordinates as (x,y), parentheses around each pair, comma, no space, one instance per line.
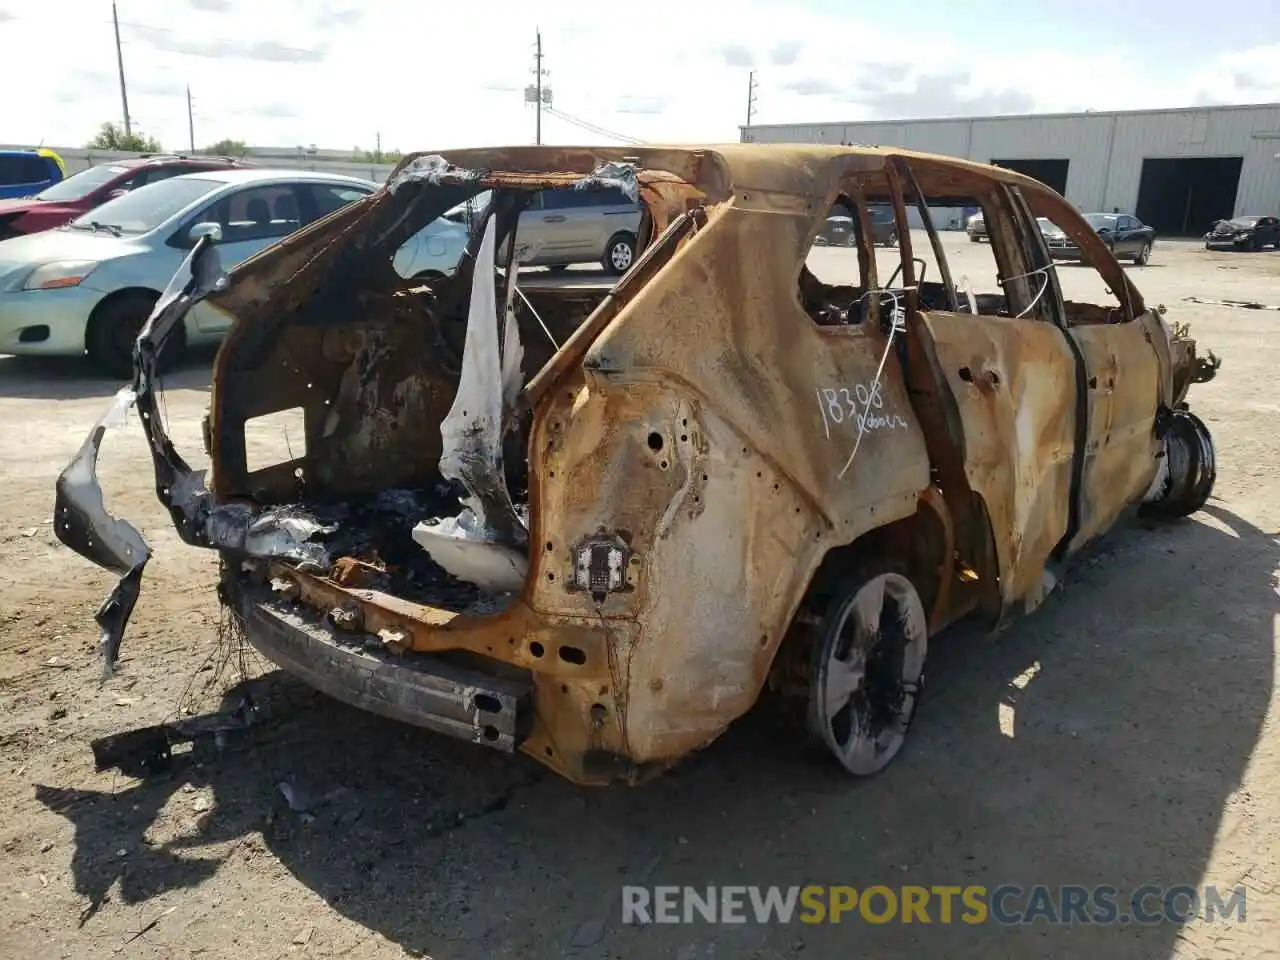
(1142,750)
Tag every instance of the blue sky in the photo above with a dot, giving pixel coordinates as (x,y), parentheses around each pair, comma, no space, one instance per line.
(339,72)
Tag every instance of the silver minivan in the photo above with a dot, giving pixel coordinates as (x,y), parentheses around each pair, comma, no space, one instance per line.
(563,227)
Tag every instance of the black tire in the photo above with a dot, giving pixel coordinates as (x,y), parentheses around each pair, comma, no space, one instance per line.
(974,238)
(865,675)
(1143,256)
(892,240)
(619,254)
(1191,468)
(114,327)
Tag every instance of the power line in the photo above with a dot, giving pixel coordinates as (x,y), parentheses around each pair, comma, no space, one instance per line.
(591,127)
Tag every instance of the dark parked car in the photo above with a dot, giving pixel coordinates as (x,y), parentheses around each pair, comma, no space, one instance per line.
(838,230)
(1244,233)
(1128,237)
(83,191)
(976,227)
(884,229)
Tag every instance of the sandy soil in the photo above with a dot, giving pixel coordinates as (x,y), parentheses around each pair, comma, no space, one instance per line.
(1144,750)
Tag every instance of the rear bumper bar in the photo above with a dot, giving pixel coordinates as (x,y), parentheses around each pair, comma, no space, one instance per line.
(414,688)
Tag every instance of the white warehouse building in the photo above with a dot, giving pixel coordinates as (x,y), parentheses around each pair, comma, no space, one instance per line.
(1178,170)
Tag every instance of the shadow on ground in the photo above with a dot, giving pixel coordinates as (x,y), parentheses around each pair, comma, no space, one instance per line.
(1154,675)
(73,378)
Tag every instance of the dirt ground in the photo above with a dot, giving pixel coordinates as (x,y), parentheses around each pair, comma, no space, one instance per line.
(1143,750)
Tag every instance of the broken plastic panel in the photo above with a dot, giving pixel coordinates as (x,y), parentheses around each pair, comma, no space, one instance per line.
(483,544)
(81,518)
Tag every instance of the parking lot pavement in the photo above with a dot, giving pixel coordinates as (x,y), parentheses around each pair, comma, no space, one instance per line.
(1125,734)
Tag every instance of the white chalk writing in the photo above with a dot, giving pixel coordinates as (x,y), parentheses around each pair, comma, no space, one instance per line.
(863,405)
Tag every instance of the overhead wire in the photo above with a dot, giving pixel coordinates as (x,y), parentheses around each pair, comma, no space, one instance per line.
(589,126)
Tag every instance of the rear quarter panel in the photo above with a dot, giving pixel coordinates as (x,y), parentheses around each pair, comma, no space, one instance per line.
(696,434)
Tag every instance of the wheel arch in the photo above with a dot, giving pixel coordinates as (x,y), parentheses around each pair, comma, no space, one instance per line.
(921,543)
(934,546)
(623,234)
(113,298)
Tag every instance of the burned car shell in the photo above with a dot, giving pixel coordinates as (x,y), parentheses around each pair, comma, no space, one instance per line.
(703,488)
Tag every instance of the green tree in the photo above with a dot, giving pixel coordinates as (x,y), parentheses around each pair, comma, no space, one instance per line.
(376,156)
(228,148)
(111,136)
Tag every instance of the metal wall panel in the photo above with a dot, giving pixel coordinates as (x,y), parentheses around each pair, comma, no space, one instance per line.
(1105,150)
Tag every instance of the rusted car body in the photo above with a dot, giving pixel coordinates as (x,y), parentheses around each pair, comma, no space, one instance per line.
(659,498)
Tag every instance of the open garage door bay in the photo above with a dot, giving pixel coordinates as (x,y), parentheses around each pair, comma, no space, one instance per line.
(1052,173)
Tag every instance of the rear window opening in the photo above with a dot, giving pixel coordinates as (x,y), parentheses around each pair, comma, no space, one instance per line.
(275,439)
(367,369)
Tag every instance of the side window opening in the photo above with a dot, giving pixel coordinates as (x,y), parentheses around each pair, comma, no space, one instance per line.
(267,212)
(833,280)
(974,267)
(1087,297)
(1002,275)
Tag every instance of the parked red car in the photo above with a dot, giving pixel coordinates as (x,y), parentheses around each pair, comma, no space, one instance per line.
(81,192)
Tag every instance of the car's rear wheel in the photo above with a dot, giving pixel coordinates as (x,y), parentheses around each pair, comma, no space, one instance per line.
(619,253)
(867,669)
(1143,256)
(113,329)
(892,239)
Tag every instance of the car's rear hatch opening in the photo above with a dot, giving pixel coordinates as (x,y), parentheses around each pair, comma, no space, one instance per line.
(404,481)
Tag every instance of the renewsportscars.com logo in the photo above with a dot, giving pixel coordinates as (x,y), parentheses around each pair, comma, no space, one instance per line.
(1006,904)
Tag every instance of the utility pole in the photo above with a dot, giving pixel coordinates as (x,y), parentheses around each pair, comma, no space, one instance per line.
(752,84)
(537,73)
(191,124)
(537,92)
(124,96)
(377,147)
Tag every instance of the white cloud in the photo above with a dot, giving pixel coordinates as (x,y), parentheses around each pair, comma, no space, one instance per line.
(338,72)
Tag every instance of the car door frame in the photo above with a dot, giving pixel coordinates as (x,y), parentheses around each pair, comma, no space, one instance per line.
(585,225)
(1124,379)
(1124,245)
(614,214)
(991,413)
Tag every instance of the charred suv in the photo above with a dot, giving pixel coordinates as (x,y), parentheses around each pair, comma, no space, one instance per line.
(594,524)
